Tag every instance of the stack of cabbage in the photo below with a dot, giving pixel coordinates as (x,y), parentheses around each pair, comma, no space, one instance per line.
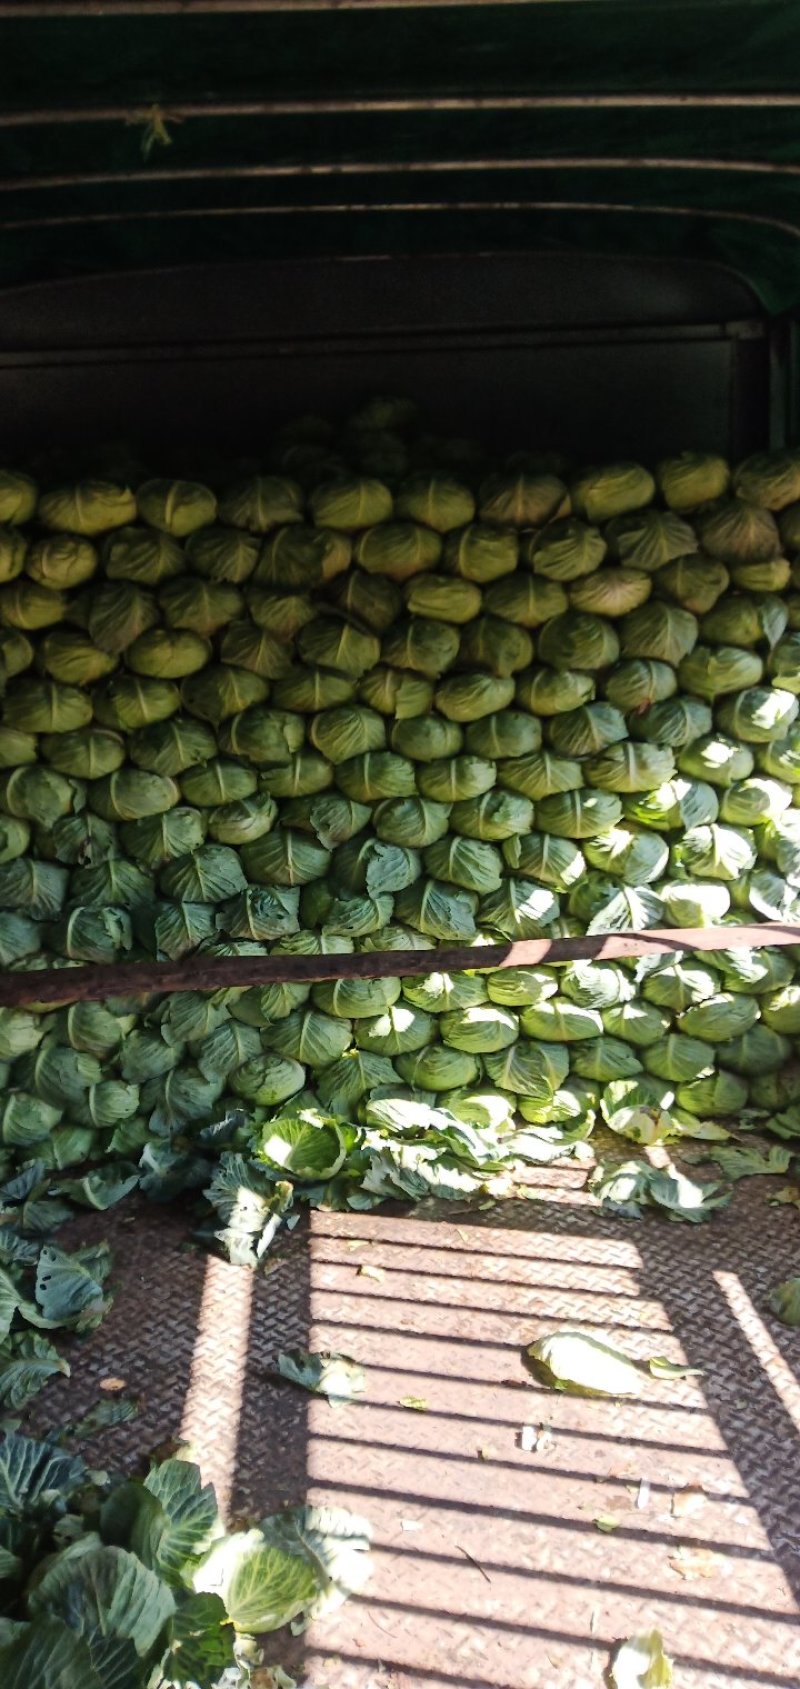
(369,702)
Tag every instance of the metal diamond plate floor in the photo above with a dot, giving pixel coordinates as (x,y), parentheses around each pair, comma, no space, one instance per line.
(490,1569)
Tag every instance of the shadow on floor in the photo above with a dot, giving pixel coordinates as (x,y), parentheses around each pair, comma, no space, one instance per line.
(490,1568)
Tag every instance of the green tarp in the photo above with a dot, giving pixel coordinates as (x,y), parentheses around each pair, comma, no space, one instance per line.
(282,131)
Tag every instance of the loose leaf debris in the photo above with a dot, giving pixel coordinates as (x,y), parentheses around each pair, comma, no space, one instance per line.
(338,1377)
(784,1302)
(629,1187)
(572,1361)
(641,1663)
(691,1499)
(692,1562)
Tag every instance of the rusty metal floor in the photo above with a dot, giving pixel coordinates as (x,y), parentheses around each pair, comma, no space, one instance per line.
(489,1567)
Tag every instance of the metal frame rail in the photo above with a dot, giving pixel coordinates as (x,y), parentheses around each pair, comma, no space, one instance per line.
(54,986)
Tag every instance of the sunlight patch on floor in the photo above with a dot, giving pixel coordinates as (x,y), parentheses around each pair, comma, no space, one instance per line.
(213,1404)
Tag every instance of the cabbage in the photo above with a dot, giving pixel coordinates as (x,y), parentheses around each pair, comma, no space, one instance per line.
(268,1080)
(437,909)
(373,599)
(519,909)
(748,802)
(135,554)
(770,577)
(132,793)
(506,733)
(546,692)
(578,815)
(691,479)
(450,780)
(629,853)
(736,532)
(395,693)
(291,558)
(128,702)
(611,592)
(438,992)
(522,499)
(280,614)
(526,600)
(650,539)
(566,550)
(758,714)
(497,645)
(397,1031)
(679,1058)
(480,1030)
(783,664)
(538,856)
(760,1050)
(689,904)
(284,859)
(175,507)
(443,598)
(712,671)
(494,815)
(438,1068)
(676,985)
(721,1093)
(410,821)
(581,732)
(694,582)
(339,645)
(465,862)
(60,561)
(540,774)
(398,550)
(262,735)
(724,1016)
(598,494)
(167,653)
(117,613)
(605,905)
(18,496)
(676,722)
(741,619)
(715,758)
(637,1022)
(578,641)
(26,604)
(630,768)
(716,852)
(261,912)
(38,888)
(202,606)
(70,656)
(636,684)
(46,706)
(771,479)
(678,803)
(37,794)
(262,502)
(439,501)
(92,507)
(222,554)
(596,985)
(662,631)
(482,552)
(428,647)
(218,781)
(471,696)
(519,987)
(529,1068)
(604,1059)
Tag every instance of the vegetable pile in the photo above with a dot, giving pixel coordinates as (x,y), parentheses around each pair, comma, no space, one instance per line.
(380,697)
(137,1583)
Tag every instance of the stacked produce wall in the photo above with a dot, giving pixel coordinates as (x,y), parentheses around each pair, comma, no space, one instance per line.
(375,694)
